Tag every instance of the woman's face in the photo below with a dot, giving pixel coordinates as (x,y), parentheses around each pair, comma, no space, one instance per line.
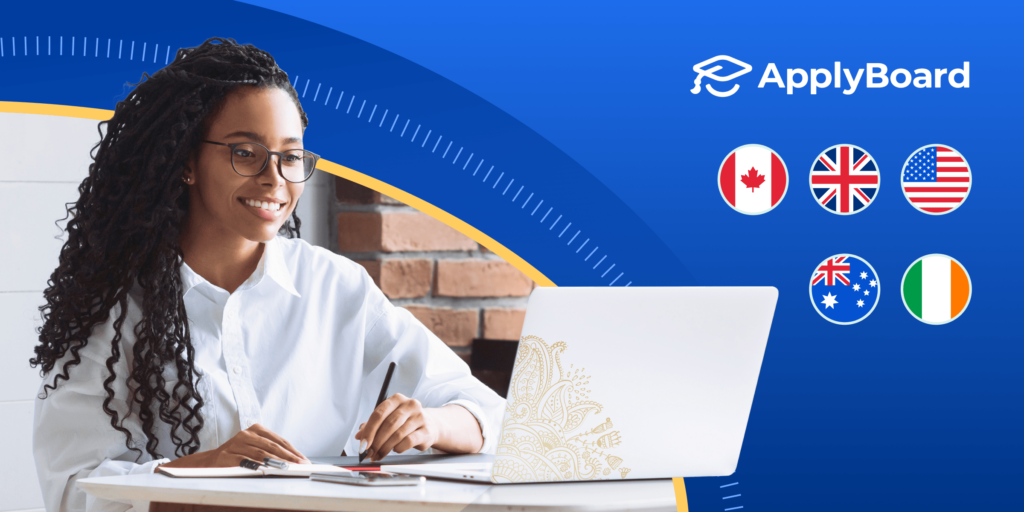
(223,199)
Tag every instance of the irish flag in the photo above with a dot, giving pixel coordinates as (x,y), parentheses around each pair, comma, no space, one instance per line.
(936,289)
(752,179)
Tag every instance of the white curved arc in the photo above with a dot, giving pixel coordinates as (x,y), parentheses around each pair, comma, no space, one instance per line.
(730,92)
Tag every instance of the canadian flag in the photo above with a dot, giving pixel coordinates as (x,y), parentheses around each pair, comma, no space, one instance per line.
(753,179)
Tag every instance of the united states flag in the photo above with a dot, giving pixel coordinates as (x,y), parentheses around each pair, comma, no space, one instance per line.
(844,179)
(936,179)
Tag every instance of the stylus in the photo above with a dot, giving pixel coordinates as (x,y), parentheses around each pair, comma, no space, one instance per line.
(380,399)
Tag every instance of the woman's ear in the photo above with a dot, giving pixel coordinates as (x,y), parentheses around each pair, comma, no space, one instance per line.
(187,175)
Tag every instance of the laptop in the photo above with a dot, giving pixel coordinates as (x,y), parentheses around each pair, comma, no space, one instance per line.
(627,383)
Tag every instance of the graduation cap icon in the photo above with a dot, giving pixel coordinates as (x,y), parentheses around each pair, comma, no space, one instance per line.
(710,67)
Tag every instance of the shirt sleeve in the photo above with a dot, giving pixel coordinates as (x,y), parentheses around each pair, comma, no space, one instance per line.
(72,437)
(427,370)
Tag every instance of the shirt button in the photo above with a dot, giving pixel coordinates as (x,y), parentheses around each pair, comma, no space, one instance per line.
(237,370)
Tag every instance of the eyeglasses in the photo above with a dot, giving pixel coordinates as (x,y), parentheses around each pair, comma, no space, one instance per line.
(249,159)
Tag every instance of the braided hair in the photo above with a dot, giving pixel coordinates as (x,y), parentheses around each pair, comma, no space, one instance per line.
(124,230)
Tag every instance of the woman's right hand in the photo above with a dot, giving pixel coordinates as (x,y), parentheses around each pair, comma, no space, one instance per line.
(254,443)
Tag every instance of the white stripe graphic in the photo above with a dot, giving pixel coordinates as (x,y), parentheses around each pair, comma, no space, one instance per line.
(757,199)
(937,194)
(935,288)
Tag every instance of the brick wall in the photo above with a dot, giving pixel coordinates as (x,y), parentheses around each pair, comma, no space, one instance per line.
(456,287)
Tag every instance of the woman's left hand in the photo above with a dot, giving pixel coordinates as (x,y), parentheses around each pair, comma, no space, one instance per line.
(398,424)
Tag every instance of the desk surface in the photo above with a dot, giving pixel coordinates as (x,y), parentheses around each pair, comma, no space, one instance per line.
(305,494)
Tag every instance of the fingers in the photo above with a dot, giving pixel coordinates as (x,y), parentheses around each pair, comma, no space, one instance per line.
(417,439)
(422,440)
(267,433)
(400,423)
(401,433)
(387,428)
(276,451)
(263,439)
(369,430)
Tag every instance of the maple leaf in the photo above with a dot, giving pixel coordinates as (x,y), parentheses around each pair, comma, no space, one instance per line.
(752,179)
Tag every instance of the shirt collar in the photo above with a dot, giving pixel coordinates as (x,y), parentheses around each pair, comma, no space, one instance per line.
(271,264)
(277,267)
(189,278)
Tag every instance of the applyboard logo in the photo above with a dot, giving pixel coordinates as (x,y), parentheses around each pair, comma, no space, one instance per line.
(708,69)
(874,75)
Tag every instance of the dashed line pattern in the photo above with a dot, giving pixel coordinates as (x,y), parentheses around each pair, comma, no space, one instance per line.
(732,494)
(83,45)
(436,139)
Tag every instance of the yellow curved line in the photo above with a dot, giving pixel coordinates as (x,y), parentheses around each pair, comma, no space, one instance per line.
(45,109)
(680,488)
(450,220)
(336,169)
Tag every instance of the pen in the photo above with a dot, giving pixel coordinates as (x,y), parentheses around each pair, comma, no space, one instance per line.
(267,461)
(380,398)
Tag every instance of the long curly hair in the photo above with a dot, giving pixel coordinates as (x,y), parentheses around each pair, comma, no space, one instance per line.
(123,231)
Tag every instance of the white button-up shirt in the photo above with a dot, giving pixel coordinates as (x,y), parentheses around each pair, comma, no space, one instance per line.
(301,347)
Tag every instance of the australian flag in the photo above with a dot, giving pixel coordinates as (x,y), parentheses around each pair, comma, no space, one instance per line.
(844,289)
(844,179)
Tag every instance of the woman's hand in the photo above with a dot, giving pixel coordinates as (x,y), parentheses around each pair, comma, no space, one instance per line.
(397,424)
(400,423)
(254,443)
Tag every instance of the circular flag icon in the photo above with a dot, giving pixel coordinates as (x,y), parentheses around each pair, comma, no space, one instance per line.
(753,179)
(844,289)
(936,179)
(936,289)
(844,179)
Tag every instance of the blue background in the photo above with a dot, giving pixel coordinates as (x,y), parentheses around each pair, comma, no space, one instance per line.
(587,106)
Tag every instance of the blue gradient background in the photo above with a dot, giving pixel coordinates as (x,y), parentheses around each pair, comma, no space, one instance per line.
(587,106)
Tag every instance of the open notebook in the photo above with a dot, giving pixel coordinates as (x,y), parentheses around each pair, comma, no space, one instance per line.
(296,470)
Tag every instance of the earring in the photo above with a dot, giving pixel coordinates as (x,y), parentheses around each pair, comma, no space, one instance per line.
(186,180)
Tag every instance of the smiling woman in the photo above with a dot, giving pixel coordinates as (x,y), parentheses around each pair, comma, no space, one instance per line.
(250,204)
(182,329)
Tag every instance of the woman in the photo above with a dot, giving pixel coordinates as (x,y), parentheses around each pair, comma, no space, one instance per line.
(180,330)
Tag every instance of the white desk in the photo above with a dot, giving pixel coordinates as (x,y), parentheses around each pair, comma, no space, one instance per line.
(435,495)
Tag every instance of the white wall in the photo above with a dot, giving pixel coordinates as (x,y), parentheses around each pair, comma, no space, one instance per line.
(44,160)
(314,206)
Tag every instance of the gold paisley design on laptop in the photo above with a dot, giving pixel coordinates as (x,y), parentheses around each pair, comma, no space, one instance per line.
(551,430)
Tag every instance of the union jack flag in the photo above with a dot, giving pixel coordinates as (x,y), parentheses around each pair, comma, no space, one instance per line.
(844,179)
(831,270)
